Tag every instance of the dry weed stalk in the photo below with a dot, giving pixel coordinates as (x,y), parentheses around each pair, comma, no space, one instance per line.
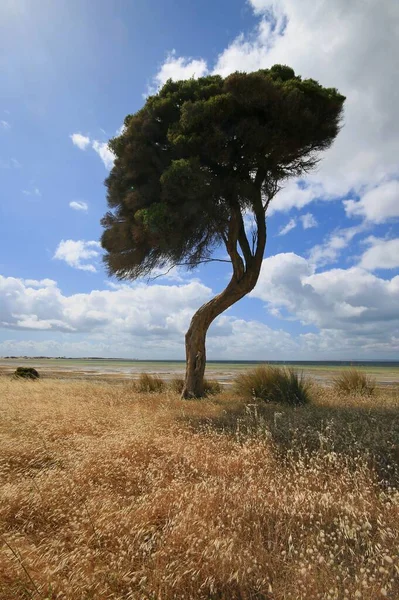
(106,493)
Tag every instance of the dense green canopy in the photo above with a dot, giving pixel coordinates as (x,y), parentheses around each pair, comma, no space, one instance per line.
(196,152)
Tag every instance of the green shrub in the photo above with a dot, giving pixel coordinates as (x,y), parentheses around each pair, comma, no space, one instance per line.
(353,381)
(26,373)
(150,383)
(273,384)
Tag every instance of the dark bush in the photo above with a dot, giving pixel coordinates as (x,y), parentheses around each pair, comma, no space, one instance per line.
(26,373)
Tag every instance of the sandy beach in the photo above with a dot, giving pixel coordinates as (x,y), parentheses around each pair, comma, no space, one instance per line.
(224,372)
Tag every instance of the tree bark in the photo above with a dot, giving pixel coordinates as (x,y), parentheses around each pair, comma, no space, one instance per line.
(242,282)
(196,334)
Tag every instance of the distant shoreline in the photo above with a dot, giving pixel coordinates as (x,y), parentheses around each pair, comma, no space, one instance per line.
(352,362)
(113,369)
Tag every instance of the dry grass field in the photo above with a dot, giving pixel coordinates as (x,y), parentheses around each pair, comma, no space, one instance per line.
(108,493)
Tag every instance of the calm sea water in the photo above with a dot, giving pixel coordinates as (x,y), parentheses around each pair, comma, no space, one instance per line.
(385,372)
(110,363)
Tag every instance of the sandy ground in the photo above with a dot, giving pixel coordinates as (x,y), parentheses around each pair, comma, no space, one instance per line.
(115,371)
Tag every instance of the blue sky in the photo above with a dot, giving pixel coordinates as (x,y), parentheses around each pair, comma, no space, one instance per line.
(70,72)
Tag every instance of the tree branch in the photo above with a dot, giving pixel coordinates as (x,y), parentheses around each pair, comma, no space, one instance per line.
(231,243)
(207,260)
(244,244)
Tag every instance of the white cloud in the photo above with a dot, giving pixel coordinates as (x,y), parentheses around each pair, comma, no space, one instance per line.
(377,205)
(347,305)
(171,274)
(39,282)
(337,241)
(132,320)
(12,163)
(74,252)
(290,225)
(79,205)
(79,140)
(5,124)
(297,194)
(156,312)
(280,273)
(357,313)
(308,221)
(383,254)
(326,41)
(120,129)
(230,337)
(30,302)
(251,52)
(260,6)
(104,153)
(32,192)
(176,68)
(101,148)
(33,322)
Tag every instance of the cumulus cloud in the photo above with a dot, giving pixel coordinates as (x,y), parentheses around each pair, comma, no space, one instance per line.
(345,304)
(331,249)
(308,221)
(287,228)
(40,283)
(104,153)
(325,41)
(356,312)
(131,320)
(49,347)
(79,140)
(79,205)
(101,148)
(382,254)
(157,312)
(178,67)
(230,337)
(76,252)
(297,194)
(376,205)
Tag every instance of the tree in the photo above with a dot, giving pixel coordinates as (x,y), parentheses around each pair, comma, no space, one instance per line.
(194,162)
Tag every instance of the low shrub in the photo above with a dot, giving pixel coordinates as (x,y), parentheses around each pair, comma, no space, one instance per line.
(176,384)
(353,381)
(273,384)
(211,386)
(26,373)
(148,383)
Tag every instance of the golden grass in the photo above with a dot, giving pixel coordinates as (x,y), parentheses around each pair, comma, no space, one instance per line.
(147,383)
(273,384)
(108,493)
(354,381)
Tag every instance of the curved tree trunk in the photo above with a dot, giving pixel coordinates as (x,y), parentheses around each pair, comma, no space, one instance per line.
(242,282)
(196,334)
